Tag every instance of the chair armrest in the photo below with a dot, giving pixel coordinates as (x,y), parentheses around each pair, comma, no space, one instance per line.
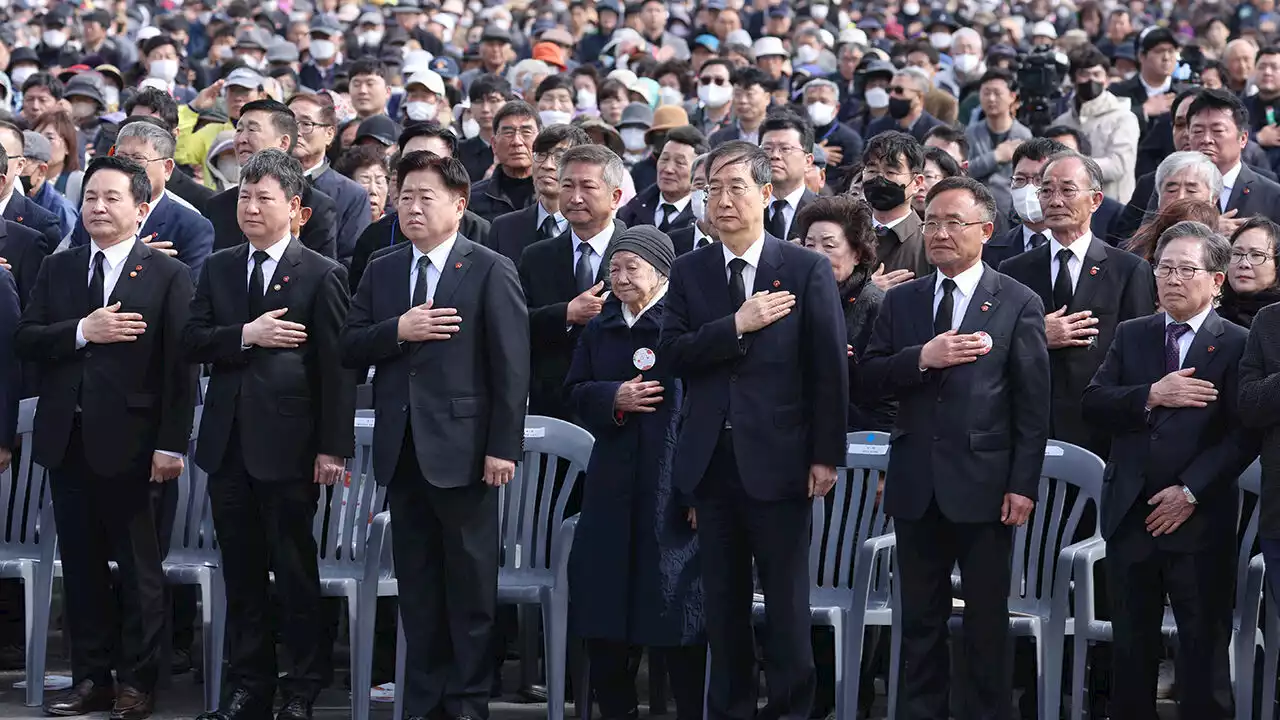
(1067,569)
(561,546)
(1249,604)
(869,553)
(1085,556)
(376,566)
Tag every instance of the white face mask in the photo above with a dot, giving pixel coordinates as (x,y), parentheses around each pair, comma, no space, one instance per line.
(470,128)
(966,63)
(165,70)
(54,38)
(1026,202)
(821,113)
(225,53)
(715,96)
(20,75)
(819,12)
(420,110)
(633,139)
(806,54)
(698,205)
(323,49)
(257,63)
(940,40)
(586,98)
(371,38)
(911,8)
(554,117)
(877,98)
(670,96)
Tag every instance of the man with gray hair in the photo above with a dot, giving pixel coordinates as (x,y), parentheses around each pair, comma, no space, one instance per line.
(841,143)
(171,225)
(37,150)
(590,190)
(701,232)
(1187,175)
(907,93)
(1166,394)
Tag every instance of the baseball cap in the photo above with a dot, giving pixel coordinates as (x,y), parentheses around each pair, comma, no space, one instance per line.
(444,66)
(35,146)
(282,51)
(416,61)
(427,79)
(1044,28)
(549,53)
(493,32)
(707,41)
(244,77)
(380,128)
(1153,36)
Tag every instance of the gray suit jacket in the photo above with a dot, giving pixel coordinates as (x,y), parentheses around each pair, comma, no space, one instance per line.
(353,208)
(982,161)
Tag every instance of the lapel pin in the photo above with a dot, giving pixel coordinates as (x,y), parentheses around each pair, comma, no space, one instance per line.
(1211,348)
(1245,191)
(777,283)
(276,287)
(284,279)
(1093,270)
(985,306)
(137,267)
(19,218)
(457,266)
(133,274)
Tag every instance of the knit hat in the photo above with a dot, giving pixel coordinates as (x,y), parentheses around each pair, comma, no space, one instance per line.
(649,243)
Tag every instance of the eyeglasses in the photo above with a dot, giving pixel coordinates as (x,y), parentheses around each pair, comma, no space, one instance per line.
(510,133)
(779,149)
(306,127)
(1018,182)
(551,155)
(734,190)
(1185,272)
(137,158)
(1067,193)
(1253,257)
(931,227)
(712,81)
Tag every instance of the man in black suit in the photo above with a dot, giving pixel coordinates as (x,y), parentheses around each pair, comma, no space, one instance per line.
(1088,286)
(510,187)
(963,351)
(488,93)
(269,124)
(450,341)
(14,204)
(666,204)
(788,140)
(317,127)
(1166,393)
(1150,92)
(1219,128)
(21,248)
(755,330)
(277,424)
(386,233)
(564,277)
(515,231)
(1110,209)
(701,232)
(116,399)
(1032,232)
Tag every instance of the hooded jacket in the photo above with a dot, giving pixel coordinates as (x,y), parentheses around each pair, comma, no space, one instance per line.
(1112,130)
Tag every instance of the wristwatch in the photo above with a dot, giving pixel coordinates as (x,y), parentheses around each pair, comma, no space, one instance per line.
(1191,498)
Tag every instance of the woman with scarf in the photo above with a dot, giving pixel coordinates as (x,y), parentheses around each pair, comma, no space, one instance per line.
(1251,277)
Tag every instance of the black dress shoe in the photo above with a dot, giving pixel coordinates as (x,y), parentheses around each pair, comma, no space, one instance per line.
(84,697)
(298,708)
(241,705)
(132,704)
(180,663)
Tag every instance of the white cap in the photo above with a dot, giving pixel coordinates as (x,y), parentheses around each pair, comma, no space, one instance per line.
(1044,28)
(444,20)
(620,36)
(768,45)
(738,37)
(427,79)
(147,33)
(626,77)
(853,36)
(415,61)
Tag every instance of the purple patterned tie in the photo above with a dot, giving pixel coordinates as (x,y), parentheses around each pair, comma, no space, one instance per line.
(1172,332)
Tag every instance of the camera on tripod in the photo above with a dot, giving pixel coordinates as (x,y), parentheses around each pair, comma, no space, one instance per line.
(1040,74)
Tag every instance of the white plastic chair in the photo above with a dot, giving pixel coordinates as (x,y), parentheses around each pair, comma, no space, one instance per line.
(1246,636)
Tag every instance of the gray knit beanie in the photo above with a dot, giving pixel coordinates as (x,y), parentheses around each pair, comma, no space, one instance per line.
(649,243)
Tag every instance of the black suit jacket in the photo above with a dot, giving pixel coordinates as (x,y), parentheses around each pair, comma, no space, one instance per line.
(320,233)
(784,388)
(644,207)
(1205,449)
(462,398)
(1116,286)
(546,274)
(24,211)
(136,397)
(968,434)
(793,230)
(683,239)
(1254,195)
(386,233)
(287,404)
(1003,246)
(196,194)
(24,249)
(476,157)
(513,232)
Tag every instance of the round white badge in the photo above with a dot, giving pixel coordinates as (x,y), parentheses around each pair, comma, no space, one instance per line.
(643,359)
(986,342)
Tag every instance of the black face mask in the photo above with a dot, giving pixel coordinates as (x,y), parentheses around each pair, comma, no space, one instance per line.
(899,108)
(884,194)
(1087,91)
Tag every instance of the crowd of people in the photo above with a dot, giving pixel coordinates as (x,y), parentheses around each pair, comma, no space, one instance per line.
(717,236)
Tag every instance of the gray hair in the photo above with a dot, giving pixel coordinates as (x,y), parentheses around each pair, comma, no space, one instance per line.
(820,83)
(918,76)
(969,33)
(696,166)
(1215,248)
(1091,167)
(600,156)
(276,164)
(521,75)
(1179,161)
(740,151)
(162,141)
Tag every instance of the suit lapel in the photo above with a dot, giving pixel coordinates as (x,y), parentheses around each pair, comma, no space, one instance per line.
(983,304)
(451,275)
(399,282)
(924,314)
(1204,346)
(279,284)
(132,274)
(715,284)
(566,284)
(1092,274)
(1240,193)
(155,224)
(1042,266)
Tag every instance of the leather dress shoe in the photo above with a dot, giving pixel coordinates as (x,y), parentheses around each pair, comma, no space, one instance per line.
(132,704)
(298,708)
(241,705)
(84,697)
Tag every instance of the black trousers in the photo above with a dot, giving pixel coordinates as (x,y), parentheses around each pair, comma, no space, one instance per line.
(613,677)
(101,519)
(1199,585)
(265,527)
(734,528)
(445,546)
(928,550)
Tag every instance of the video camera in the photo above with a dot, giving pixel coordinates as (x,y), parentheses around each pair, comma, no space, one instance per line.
(1040,74)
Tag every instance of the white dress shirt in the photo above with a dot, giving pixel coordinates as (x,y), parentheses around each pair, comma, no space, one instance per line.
(598,244)
(1228,184)
(17,190)
(561,223)
(274,253)
(630,319)
(1028,232)
(966,283)
(752,258)
(699,236)
(439,255)
(679,205)
(1074,265)
(789,212)
(1184,342)
(112,264)
(1153,91)
(891,224)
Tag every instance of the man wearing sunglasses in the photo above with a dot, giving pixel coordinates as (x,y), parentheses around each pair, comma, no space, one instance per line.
(711,112)
(906,106)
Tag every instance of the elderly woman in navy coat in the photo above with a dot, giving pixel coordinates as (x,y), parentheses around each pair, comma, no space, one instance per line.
(634,578)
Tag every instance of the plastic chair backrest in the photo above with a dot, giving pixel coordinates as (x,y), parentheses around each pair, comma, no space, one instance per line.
(341,527)
(25,498)
(1250,483)
(532,506)
(1070,486)
(850,514)
(193,540)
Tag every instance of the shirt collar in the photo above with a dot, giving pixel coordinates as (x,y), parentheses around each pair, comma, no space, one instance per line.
(1195,321)
(698,235)
(1028,232)
(315,170)
(275,250)
(542,216)
(966,282)
(113,255)
(1077,248)
(679,205)
(439,255)
(892,223)
(1154,90)
(793,200)
(599,243)
(752,254)
(630,319)
(1229,177)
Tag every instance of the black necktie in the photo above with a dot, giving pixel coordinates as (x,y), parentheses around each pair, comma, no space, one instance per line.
(778,223)
(1062,291)
(1037,240)
(703,242)
(257,284)
(668,214)
(549,228)
(582,271)
(420,284)
(942,318)
(96,282)
(737,286)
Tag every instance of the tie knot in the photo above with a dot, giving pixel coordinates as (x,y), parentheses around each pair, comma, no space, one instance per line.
(260,256)
(98,257)
(1038,239)
(737,264)
(424,261)
(668,208)
(948,285)
(1064,255)
(883,231)
(779,204)
(585,248)
(1177,330)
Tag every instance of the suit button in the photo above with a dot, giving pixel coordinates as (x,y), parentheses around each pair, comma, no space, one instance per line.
(939,398)
(413,373)
(937,438)
(88,353)
(404,408)
(1155,436)
(733,377)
